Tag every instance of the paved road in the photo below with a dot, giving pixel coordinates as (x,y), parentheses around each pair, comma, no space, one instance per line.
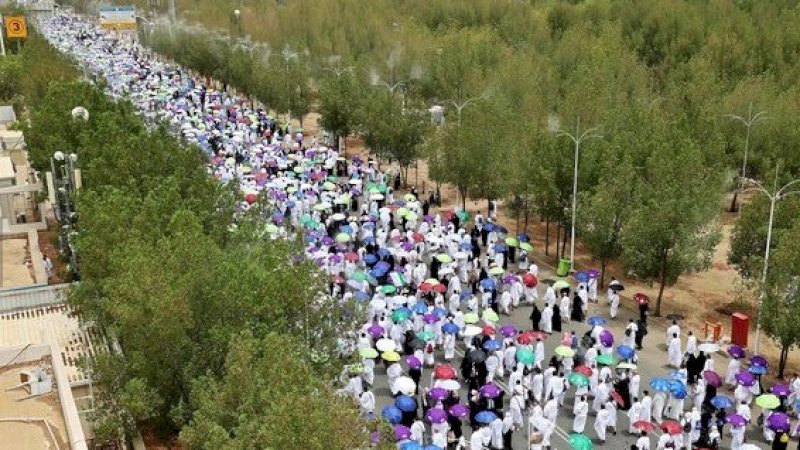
(652,362)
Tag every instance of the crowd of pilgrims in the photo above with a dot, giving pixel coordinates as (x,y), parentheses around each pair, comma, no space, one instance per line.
(434,284)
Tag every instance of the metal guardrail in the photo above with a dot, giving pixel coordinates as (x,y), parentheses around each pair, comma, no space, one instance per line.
(32,296)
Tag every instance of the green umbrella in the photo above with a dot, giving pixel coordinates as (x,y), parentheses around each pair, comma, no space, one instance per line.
(564,351)
(342,237)
(607,360)
(525,356)
(322,206)
(768,401)
(560,284)
(409,197)
(525,246)
(512,242)
(359,276)
(388,289)
(400,316)
(463,215)
(368,352)
(299,169)
(329,186)
(411,216)
(578,379)
(580,442)
(402,212)
(374,190)
(426,336)
(291,189)
(305,218)
(471,318)
(496,271)
(490,316)
(271,228)
(444,258)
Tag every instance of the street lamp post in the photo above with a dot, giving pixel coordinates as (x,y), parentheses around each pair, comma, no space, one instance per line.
(748,123)
(774,195)
(577,138)
(460,107)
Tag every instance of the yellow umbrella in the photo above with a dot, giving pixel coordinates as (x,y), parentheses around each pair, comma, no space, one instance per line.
(391,356)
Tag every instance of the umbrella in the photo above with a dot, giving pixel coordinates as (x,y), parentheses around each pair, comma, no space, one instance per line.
(471,318)
(581,277)
(584,370)
(492,345)
(376,331)
(401,315)
(444,258)
(736,351)
(671,427)
(593,273)
(606,360)
(580,442)
(459,411)
(530,280)
(511,242)
(596,320)
(450,385)
(444,372)
(625,352)
(759,360)
(644,425)
(659,384)
(508,330)
(757,370)
(401,432)
(405,385)
(616,287)
(606,338)
(430,318)
(525,356)
(485,417)
(745,378)
(436,415)
(392,414)
(490,390)
(736,420)
(560,284)
(564,351)
(490,316)
(712,378)
(471,330)
(367,352)
(426,336)
(417,344)
(438,393)
(578,379)
(413,362)
(386,345)
(626,365)
(708,347)
(450,328)
(768,401)
(781,390)
(488,330)
(677,375)
(721,402)
(676,386)
(500,247)
(391,356)
(526,246)
(476,356)
(529,336)
(496,271)
(617,398)
(405,403)
(778,421)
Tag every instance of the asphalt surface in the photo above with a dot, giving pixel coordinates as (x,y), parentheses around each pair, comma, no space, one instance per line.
(652,362)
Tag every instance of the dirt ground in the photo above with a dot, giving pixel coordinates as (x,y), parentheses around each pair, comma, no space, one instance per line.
(16,265)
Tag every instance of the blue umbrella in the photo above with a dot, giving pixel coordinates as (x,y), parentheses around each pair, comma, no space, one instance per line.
(440,312)
(722,402)
(361,295)
(680,395)
(377,273)
(596,320)
(659,384)
(392,414)
(369,240)
(488,284)
(501,229)
(625,352)
(450,328)
(346,229)
(420,308)
(405,403)
(431,447)
(464,295)
(757,370)
(676,386)
(581,277)
(404,310)
(465,246)
(383,266)
(369,258)
(485,417)
(383,253)
(500,247)
(489,227)
(523,237)
(410,445)
(677,375)
(492,345)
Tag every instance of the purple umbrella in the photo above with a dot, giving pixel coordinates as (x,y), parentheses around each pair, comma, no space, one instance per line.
(736,420)
(376,331)
(758,360)
(459,411)
(438,393)
(712,378)
(335,258)
(327,240)
(736,351)
(490,390)
(414,362)
(436,415)
(430,318)
(780,390)
(401,432)
(606,338)
(508,330)
(593,273)
(745,378)
(778,421)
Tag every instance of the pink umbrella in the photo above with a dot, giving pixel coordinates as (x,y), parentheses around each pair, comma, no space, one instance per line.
(712,378)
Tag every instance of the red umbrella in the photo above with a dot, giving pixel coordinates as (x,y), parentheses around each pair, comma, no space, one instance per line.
(250,198)
(444,372)
(418,237)
(618,398)
(448,215)
(641,298)
(351,256)
(644,425)
(530,280)
(584,370)
(440,288)
(671,427)
(425,287)
(529,336)
(488,330)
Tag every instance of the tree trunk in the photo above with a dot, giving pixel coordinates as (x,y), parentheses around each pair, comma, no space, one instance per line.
(558,241)
(489,207)
(603,262)
(782,362)
(662,278)
(463,192)
(547,237)
(526,219)
(735,202)
(564,243)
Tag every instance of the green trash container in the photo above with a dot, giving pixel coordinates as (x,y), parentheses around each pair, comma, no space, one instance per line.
(564,266)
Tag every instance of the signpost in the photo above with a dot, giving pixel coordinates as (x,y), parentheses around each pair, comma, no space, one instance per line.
(15,27)
(118,17)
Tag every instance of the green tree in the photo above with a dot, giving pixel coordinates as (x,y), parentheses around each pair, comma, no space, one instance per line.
(339,101)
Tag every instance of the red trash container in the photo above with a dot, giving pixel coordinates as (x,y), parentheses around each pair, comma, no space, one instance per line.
(740,328)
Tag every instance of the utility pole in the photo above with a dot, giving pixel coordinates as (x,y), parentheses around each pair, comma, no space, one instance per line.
(172,16)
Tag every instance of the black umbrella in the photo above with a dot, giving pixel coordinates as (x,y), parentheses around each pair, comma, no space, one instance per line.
(477,355)
(675,316)
(417,344)
(616,287)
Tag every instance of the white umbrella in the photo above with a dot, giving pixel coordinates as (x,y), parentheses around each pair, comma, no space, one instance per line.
(405,385)
(386,345)
(708,347)
(472,330)
(378,304)
(394,370)
(450,385)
